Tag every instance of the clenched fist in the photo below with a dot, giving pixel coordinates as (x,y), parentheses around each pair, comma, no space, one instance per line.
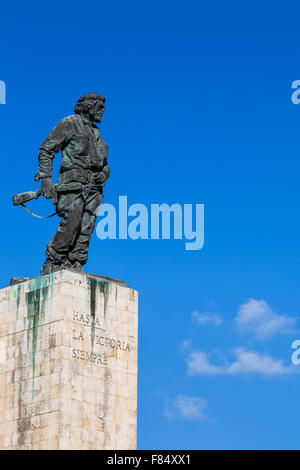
(101,177)
(47,188)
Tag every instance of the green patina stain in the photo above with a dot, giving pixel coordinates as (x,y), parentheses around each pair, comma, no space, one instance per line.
(36,300)
(93,284)
(132,294)
(18,295)
(104,289)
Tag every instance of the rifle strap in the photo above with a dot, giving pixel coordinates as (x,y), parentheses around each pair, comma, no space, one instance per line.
(35,215)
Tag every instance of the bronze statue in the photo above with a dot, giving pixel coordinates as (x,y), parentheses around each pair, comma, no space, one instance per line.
(79,192)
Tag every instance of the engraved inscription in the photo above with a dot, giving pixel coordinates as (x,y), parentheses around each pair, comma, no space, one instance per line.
(94,358)
(86,338)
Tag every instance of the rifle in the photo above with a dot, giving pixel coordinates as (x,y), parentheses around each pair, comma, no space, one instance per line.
(21,198)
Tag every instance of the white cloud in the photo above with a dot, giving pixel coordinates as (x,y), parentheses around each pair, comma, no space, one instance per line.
(253,362)
(185,345)
(245,363)
(256,316)
(185,407)
(206,317)
(199,364)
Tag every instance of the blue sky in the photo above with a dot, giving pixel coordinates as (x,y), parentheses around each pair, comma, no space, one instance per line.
(198,111)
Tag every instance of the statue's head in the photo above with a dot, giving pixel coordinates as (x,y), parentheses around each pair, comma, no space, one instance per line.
(91,106)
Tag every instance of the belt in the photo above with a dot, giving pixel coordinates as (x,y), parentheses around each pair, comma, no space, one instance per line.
(78,176)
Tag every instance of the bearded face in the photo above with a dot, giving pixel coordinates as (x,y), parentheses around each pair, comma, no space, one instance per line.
(91,106)
(96,111)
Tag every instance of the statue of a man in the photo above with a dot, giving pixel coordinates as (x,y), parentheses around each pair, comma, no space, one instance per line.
(83,172)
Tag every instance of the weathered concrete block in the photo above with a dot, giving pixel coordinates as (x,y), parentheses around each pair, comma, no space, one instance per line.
(68,363)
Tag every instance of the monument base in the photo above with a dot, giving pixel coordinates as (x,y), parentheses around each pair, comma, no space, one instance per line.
(68,363)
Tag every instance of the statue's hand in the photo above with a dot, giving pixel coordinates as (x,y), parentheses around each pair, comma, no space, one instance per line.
(47,188)
(101,178)
(37,176)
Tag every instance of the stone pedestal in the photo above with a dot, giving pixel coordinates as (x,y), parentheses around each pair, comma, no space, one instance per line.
(68,363)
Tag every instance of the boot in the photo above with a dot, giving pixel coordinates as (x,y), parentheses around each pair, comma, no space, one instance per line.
(77,266)
(49,267)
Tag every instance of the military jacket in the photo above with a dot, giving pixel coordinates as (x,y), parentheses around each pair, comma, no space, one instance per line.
(84,152)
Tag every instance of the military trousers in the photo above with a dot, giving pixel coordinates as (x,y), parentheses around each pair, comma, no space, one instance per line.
(78,211)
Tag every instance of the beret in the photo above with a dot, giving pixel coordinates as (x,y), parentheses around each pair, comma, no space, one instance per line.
(91,96)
